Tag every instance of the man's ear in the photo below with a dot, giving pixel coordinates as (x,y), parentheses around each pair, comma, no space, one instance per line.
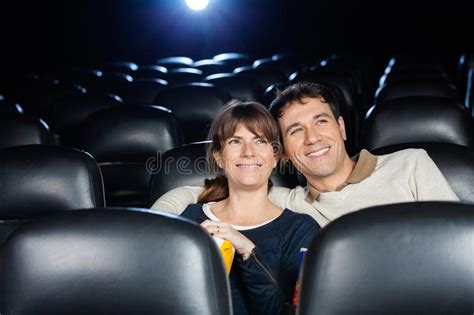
(342,127)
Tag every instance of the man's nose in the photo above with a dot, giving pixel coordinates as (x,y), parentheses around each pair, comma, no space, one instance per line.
(312,136)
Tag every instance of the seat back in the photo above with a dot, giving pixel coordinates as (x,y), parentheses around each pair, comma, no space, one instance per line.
(413,258)
(118,261)
(22,130)
(417,119)
(122,140)
(195,105)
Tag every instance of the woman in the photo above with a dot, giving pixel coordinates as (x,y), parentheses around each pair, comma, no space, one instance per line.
(236,207)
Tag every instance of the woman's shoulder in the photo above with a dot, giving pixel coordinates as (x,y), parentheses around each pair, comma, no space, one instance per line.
(194,212)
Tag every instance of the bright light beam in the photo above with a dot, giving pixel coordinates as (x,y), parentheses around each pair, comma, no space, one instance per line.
(197,5)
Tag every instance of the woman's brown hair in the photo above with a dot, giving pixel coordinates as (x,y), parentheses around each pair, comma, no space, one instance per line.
(257,119)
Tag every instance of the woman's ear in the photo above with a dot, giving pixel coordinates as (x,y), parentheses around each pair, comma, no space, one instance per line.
(218,158)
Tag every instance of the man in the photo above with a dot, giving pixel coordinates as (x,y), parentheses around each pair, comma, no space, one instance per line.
(313,135)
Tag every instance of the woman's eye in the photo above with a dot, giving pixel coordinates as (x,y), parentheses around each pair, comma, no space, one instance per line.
(233,141)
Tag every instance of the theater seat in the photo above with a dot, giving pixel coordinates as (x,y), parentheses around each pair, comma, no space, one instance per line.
(142,91)
(122,140)
(425,87)
(22,130)
(187,166)
(456,162)
(241,88)
(119,261)
(38,179)
(417,119)
(195,105)
(412,258)
(8,107)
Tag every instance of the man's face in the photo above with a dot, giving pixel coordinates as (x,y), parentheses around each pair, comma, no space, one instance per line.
(313,138)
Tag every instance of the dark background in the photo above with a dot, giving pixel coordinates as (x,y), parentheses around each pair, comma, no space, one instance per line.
(38,34)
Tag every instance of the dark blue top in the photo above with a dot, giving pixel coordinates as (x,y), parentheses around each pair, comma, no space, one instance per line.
(266,281)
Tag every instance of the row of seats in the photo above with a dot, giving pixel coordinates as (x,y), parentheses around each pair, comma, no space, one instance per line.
(385,259)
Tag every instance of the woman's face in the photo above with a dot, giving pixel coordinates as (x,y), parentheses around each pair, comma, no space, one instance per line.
(247,159)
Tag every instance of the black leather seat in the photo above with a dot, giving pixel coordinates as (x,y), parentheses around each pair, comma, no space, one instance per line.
(175,62)
(417,119)
(150,72)
(70,111)
(8,107)
(407,88)
(126,67)
(195,105)
(183,75)
(233,60)
(122,140)
(211,66)
(469,99)
(239,87)
(22,129)
(413,258)
(38,179)
(187,166)
(456,162)
(119,261)
(264,76)
(142,91)
(111,83)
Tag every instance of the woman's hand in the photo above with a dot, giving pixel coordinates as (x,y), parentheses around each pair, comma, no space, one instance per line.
(242,244)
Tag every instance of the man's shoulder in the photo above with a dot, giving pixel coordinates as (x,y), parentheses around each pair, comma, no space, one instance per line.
(402,155)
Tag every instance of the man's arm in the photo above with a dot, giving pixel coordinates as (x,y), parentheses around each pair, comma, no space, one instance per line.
(176,200)
(428,183)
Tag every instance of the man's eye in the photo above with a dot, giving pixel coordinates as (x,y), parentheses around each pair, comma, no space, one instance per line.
(321,121)
(295,131)
(262,141)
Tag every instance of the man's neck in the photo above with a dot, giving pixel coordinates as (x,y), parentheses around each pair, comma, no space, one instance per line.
(333,181)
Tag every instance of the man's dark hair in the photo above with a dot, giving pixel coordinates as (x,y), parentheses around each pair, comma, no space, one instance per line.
(298,91)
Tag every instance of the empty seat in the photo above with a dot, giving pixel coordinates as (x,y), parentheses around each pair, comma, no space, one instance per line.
(426,87)
(175,62)
(38,179)
(150,72)
(69,112)
(287,66)
(126,67)
(264,76)
(183,75)
(110,82)
(412,258)
(456,162)
(241,88)
(211,66)
(195,105)
(142,91)
(119,261)
(417,119)
(187,166)
(8,107)
(233,60)
(22,130)
(122,140)
(469,100)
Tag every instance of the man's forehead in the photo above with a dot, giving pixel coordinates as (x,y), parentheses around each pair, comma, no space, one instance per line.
(314,105)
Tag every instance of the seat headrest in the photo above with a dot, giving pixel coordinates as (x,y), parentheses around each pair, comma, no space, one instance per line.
(409,258)
(36,179)
(425,87)
(417,119)
(129,133)
(195,105)
(113,261)
(22,130)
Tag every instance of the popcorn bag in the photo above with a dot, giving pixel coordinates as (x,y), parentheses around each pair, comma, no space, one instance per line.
(227,252)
